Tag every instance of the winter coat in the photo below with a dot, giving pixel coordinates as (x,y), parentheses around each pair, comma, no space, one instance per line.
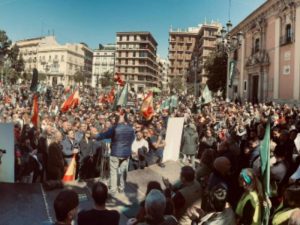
(190,139)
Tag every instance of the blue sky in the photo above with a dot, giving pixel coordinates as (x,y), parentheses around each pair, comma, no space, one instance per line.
(96,21)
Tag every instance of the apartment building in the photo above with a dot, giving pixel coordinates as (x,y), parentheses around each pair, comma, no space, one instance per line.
(57,62)
(136,59)
(188,50)
(163,67)
(181,46)
(103,62)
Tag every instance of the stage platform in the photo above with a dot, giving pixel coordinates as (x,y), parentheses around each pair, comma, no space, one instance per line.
(30,204)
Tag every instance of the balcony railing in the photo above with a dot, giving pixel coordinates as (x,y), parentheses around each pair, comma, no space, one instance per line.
(285,39)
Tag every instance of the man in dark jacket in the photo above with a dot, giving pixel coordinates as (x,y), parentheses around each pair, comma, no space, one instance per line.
(55,159)
(122,137)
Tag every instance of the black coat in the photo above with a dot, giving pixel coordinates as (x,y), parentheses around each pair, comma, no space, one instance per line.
(55,162)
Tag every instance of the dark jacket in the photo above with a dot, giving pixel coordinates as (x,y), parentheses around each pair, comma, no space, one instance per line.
(86,148)
(122,137)
(55,162)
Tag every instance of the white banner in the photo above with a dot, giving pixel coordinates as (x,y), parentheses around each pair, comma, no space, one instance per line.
(7,165)
(173,139)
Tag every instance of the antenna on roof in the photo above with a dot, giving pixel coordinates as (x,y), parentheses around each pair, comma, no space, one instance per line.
(229,10)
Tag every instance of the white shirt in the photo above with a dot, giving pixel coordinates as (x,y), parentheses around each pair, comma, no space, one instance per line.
(136,145)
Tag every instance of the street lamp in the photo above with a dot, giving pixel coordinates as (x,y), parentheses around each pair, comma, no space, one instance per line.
(228,44)
(195,75)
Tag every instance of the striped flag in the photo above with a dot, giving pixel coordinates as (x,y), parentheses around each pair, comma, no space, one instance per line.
(123,98)
(35,111)
(147,109)
(71,171)
(71,102)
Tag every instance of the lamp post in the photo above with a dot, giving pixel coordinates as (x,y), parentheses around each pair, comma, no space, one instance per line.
(228,44)
(195,75)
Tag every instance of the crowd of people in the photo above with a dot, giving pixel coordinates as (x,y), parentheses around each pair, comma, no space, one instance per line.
(222,142)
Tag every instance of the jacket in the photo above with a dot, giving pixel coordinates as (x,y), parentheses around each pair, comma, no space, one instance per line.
(55,160)
(122,137)
(190,141)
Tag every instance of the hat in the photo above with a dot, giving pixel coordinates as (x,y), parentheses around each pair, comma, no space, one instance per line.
(222,165)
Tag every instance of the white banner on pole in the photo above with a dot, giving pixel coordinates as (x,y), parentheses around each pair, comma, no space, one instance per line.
(7,165)
(173,139)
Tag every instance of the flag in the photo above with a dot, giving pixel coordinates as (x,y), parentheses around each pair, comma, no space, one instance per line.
(34,81)
(35,111)
(206,95)
(118,79)
(165,105)
(71,171)
(265,170)
(231,72)
(111,96)
(147,109)
(71,102)
(123,97)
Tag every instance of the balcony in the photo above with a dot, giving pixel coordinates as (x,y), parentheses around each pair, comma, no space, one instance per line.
(286,39)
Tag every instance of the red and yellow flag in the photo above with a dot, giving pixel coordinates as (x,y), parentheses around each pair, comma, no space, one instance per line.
(118,79)
(147,109)
(71,171)
(71,102)
(111,96)
(35,111)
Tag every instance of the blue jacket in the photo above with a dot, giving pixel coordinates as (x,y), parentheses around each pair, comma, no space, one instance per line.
(122,137)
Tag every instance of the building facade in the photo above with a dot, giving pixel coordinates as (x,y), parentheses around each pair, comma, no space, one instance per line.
(181,47)
(103,62)
(268,60)
(188,50)
(136,59)
(163,65)
(58,63)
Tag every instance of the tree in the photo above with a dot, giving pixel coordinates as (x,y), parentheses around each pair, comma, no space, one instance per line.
(79,77)
(176,83)
(107,79)
(216,69)
(16,59)
(11,61)
(5,43)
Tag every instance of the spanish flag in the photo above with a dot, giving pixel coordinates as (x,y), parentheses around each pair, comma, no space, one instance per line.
(35,111)
(71,171)
(71,102)
(147,109)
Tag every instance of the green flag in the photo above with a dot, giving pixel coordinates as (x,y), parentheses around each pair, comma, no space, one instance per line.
(122,100)
(165,104)
(232,65)
(206,95)
(265,171)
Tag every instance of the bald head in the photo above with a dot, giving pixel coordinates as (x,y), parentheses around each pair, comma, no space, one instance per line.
(295,218)
(57,137)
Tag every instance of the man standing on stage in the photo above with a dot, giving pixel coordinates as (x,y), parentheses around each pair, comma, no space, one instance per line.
(122,137)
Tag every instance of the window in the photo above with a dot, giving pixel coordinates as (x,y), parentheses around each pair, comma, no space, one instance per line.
(245,85)
(62,58)
(235,55)
(133,54)
(256,45)
(288,33)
